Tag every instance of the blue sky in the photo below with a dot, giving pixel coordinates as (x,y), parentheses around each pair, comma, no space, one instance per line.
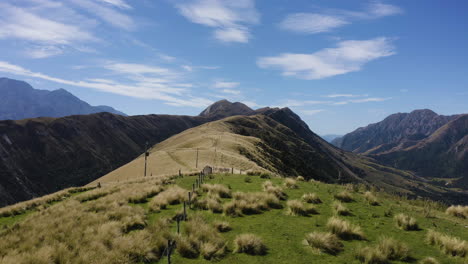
(338,64)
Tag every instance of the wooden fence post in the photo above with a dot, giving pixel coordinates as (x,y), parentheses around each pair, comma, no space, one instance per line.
(190,200)
(185,212)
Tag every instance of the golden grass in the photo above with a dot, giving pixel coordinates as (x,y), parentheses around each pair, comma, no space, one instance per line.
(371,198)
(290,183)
(311,198)
(324,242)
(344,196)
(452,246)
(95,194)
(300,178)
(428,260)
(222,226)
(250,203)
(340,209)
(142,196)
(217,189)
(275,190)
(249,244)
(211,203)
(406,222)
(172,195)
(296,207)
(344,229)
(458,211)
(387,249)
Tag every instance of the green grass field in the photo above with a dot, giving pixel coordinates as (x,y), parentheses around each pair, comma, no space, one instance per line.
(282,234)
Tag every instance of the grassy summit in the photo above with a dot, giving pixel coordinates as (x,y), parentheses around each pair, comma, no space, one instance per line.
(234,219)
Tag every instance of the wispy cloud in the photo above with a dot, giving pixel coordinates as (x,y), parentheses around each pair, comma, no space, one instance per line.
(139,84)
(363,100)
(302,103)
(118,3)
(107,14)
(222,84)
(229,18)
(329,19)
(348,56)
(345,95)
(312,112)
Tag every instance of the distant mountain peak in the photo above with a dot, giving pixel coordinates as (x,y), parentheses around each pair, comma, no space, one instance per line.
(225,108)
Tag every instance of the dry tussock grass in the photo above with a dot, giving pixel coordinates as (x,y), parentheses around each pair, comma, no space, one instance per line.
(170,196)
(344,196)
(324,242)
(340,209)
(371,198)
(387,249)
(311,198)
(428,260)
(200,238)
(250,203)
(217,189)
(22,207)
(290,183)
(275,190)
(406,222)
(96,194)
(212,203)
(249,244)
(452,246)
(296,207)
(222,226)
(458,211)
(300,178)
(142,195)
(344,229)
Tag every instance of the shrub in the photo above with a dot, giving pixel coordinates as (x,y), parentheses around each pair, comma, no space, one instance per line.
(290,183)
(248,179)
(210,203)
(275,190)
(300,178)
(324,242)
(344,229)
(387,249)
(452,246)
(249,244)
(296,207)
(428,260)
(265,175)
(458,211)
(340,209)
(344,196)
(371,198)
(406,222)
(222,226)
(311,198)
(217,189)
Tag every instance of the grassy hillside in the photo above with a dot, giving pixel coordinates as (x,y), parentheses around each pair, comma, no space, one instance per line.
(130,222)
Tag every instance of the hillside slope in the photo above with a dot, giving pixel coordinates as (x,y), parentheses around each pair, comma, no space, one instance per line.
(19,100)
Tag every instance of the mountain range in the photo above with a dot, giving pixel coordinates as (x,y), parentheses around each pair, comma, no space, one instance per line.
(19,100)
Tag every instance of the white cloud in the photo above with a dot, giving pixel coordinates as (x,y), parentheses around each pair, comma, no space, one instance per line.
(221,84)
(40,52)
(118,3)
(310,23)
(229,18)
(363,100)
(107,14)
(348,56)
(345,95)
(329,19)
(167,92)
(312,112)
(231,91)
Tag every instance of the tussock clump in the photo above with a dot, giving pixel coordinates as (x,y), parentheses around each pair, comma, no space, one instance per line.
(250,203)
(290,183)
(217,189)
(200,239)
(324,242)
(340,209)
(222,226)
(406,222)
(311,198)
(458,211)
(296,207)
(300,178)
(428,260)
(172,195)
(387,249)
(344,196)
(452,246)
(371,198)
(265,175)
(275,190)
(344,229)
(96,194)
(249,244)
(145,194)
(210,203)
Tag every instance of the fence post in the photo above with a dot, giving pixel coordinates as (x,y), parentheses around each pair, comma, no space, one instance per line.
(178,224)
(180,174)
(193,187)
(185,212)
(232,170)
(169,244)
(190,200)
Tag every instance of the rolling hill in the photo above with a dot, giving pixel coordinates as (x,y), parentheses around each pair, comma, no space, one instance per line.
(20,100)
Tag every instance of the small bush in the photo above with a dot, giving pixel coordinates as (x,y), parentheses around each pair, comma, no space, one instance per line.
(265,175)
(290,183)
(406,222)
(275,190)
(210,203)
(452,246)
(296,207)
(249,244)
(371,198)
(248,179)
(428,260)
(217,189)
(324,242)
(344,229)
(387,249)
(344,196)
(222,226)
(340,209)
(458,211)
(311,198)
(250,203)
(300,178)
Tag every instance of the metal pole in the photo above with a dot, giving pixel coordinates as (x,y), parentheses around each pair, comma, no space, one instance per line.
(185,212)
(146,156)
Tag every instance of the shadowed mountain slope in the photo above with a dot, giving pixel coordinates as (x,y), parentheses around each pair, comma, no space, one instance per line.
(20,100)
(224,108)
